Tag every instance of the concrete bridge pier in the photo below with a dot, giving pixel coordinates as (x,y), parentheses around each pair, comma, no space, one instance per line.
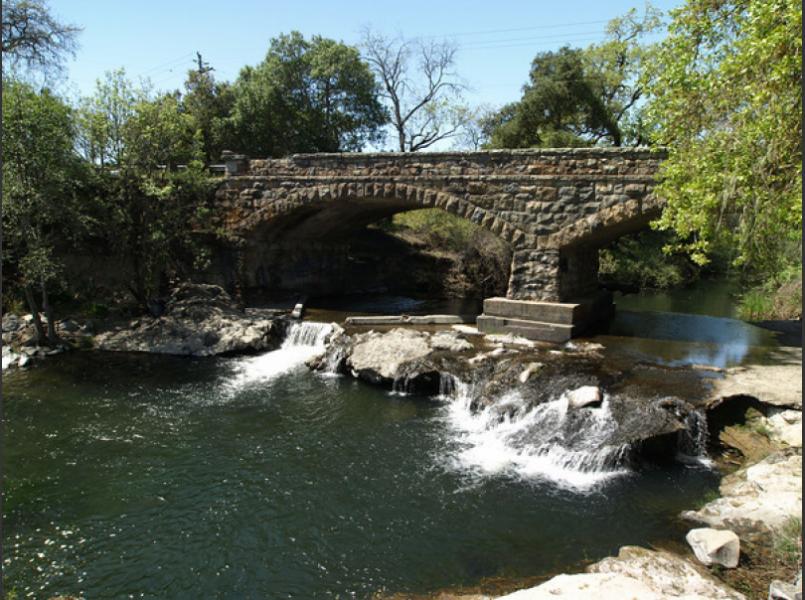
(553,295)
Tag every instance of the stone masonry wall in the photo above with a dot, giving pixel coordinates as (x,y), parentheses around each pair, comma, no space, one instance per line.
(552,206)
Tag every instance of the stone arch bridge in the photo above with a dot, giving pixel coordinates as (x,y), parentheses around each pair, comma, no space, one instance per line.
(554,207)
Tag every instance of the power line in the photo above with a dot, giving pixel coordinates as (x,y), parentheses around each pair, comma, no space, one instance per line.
(536,38)
(529,44)
(491,31)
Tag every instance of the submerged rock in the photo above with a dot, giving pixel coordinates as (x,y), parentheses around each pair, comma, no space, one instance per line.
(198,320)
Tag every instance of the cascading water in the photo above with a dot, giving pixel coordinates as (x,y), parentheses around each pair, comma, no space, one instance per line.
(693,440)
(550,441)
(303,341)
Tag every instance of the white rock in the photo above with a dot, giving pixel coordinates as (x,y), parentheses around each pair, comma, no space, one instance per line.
(530,370)
(763,495)
(781,590)
(715,546)
(384,353)
(23,360)
(508,338)
(467,329)
(449,340)
(598,586)
(586,395)
(786,427)
(669,575)
(635,574)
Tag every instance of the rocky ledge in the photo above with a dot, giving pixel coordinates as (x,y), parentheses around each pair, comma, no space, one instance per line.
(510,375)
(634,573)
(198,320)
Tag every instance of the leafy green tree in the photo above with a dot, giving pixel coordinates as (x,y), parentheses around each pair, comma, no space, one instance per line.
(726,99)
(306,96)
(209,102)
(582,97)
(102,118)
(41,179)
(155,210)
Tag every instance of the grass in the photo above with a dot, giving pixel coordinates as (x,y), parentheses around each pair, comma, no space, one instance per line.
(777,298)
(787,541)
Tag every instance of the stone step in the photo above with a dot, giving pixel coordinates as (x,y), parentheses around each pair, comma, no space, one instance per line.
(545,312)
(533,330)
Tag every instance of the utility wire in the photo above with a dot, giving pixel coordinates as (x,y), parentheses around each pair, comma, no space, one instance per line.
(491,31)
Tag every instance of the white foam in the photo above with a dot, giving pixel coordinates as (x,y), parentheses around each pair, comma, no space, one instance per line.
(533,442)
(303,341)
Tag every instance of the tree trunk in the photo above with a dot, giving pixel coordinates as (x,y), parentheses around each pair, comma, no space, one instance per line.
(34,308)
(53,337)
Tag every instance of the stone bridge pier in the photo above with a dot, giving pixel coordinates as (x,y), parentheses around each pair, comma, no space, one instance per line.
(554,207)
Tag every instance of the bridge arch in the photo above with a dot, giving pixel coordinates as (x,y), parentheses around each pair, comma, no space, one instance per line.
(346,206)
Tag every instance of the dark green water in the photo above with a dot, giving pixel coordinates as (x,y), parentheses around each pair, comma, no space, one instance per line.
(138,476)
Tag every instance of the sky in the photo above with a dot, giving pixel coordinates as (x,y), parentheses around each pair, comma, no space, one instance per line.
(497,39)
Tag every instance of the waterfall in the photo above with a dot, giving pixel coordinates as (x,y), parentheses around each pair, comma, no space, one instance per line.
(303,341)
(551,441)
(400,386)
(693,440)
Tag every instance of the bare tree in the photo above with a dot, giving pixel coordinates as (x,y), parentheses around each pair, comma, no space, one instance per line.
(418,82)
(474,132)
(33,38)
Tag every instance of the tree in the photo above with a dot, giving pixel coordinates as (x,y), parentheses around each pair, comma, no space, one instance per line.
(425,106)
(103,117)
(559,106)
(40,206)
(33,38)
(155,211)
(726,101)
(209,102)
(582,97)
(306,96)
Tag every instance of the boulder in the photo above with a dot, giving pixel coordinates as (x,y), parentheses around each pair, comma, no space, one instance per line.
(759,497)
(588,395)
(377,357)
(782,590)
(450,341)
(12,322)
(530,370)
(715,546)
(786,427)
(198,320)
(69,326)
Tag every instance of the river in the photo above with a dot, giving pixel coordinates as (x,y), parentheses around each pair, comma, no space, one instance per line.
(156,477)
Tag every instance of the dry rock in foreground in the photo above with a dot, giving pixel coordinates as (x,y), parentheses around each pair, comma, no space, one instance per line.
(761,496)
(715,546)
(635,574)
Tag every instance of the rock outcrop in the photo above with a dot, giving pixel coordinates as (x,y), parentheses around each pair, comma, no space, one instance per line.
(759,497)
(635,573)
(199,320)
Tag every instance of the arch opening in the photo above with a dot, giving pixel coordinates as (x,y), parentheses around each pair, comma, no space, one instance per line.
(382,246)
